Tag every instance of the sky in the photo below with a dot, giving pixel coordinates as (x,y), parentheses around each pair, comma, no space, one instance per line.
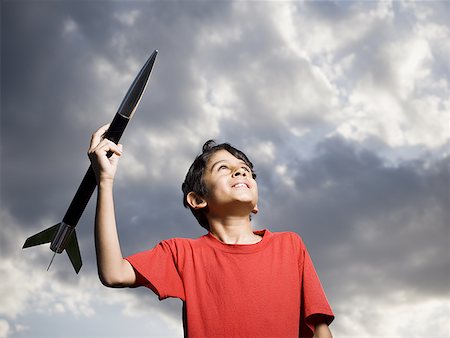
(342,106)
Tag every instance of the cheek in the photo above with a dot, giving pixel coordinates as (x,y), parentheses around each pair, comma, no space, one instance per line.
(255,189)
(216,188)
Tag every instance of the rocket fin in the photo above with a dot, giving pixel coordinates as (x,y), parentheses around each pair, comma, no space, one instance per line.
(42,237)
(73,251)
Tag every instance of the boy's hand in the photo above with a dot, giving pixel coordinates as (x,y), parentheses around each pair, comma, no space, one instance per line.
(104,167)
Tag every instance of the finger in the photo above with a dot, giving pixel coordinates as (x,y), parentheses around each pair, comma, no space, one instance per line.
(116,149)
(115,156)
(98,135)
(107,146)
(101,149)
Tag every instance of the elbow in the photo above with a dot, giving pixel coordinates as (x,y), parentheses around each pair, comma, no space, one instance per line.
(106,281)
(110,280)
(117,275)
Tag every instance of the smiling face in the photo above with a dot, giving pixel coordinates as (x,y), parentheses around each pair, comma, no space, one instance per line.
(197,193)
(230,184)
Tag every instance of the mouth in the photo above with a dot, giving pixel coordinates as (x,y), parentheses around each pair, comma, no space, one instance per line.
(241,185)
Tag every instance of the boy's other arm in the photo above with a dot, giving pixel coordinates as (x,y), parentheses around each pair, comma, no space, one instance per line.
(322,331)
(113,270)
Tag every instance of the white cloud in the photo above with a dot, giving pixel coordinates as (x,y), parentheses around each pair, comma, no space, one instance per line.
(127,18)
(275,77)
(26,285)
(26,288)
(409,64)
(396,314)
(400,109)
(4,328)
(70,26)
(400,99)
(380,75)
(264,152)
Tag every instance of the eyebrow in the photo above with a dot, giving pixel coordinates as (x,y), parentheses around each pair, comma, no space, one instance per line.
(212,167)
(226,161)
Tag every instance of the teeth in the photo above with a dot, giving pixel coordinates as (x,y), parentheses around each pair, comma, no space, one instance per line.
(240,185)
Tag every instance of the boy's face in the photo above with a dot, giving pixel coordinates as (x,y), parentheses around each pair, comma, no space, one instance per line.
(230,183)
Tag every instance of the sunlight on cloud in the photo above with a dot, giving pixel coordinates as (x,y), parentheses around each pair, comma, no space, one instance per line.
(393,108)
(217,100)
(119,41)
(131,166)
(113,80)
(154,154)
(394,316)
(283,174)
(324,37)
(218,97)
(107,73)
(277,77)
(373,110)
(70,26)
(391,99)
(134,306)
(264,151)
(49,296)
(20,296)
(401,100)
(4,328)
(17,290)
(408,63)
(42,296)
(221,36)
(127,18)
(284,20)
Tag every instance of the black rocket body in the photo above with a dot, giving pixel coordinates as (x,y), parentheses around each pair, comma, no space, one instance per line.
(62,235)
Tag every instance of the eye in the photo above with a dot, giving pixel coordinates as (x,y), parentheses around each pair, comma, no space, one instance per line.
(223,166)
(247,169)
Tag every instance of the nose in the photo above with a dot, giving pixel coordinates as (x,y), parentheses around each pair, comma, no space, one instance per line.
(239,172)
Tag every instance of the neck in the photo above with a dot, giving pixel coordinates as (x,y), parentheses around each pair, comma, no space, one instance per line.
(233,230)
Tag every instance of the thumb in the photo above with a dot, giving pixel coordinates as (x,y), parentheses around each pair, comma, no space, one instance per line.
(115,156)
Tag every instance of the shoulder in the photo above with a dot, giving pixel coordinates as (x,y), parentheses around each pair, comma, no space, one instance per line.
(289,239)
(288,236)
(184,240)
(182,244)
(183,249)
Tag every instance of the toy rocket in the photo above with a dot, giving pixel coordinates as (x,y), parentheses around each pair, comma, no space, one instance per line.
(62,235)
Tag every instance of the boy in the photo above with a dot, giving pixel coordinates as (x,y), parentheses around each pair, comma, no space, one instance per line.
(234,282)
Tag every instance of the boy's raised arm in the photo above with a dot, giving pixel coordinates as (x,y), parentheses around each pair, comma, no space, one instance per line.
(113,270)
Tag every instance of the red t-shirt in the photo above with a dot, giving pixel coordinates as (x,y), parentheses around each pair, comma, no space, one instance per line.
(267,289)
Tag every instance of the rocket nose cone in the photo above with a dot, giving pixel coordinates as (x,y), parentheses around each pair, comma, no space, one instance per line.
(134,94)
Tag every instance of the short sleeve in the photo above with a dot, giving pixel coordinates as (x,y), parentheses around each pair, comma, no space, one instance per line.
(315,307)
(157,270)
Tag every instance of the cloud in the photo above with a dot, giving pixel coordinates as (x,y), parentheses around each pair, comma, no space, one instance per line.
(4,328)
(378,231)
(394,314)
(29,289)
(342,106)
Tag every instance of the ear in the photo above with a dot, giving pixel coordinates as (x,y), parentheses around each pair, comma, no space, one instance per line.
(195,201)
(255,209)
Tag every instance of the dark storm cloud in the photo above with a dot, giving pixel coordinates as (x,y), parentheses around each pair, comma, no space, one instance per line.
(41,80)
(52,101)
(366,219)
(371,226)
(369,222)
(53,98)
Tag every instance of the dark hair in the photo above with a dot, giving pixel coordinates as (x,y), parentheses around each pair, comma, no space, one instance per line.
(194,177)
